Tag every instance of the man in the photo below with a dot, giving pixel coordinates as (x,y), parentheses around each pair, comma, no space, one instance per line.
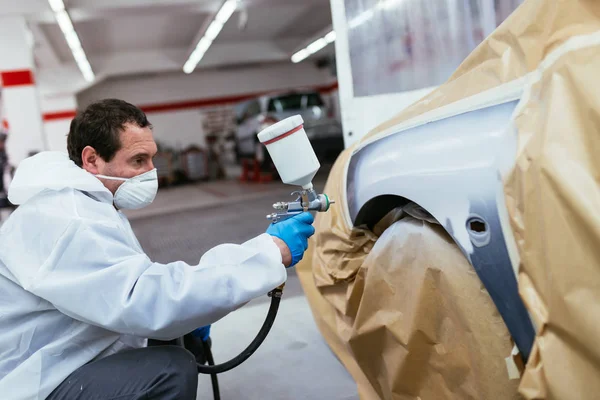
(78,296)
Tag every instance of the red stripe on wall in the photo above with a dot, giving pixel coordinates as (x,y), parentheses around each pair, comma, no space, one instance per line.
(183,105)
(17,78)
(328,89)
(215,101)
(53,116)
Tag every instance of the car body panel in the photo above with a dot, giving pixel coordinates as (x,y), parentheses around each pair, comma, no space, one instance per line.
(453,169)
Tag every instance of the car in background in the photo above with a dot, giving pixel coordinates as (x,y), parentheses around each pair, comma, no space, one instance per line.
(323,130)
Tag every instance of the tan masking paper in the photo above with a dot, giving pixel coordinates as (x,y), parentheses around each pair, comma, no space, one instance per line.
(553,197)
(418,321)
(337,263)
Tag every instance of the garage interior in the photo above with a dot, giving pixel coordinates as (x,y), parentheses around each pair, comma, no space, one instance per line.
(399,295)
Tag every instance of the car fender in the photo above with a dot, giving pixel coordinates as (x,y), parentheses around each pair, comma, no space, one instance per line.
(453,168)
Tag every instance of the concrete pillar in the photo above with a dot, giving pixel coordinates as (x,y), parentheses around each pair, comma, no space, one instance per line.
(58,112)
(20,101)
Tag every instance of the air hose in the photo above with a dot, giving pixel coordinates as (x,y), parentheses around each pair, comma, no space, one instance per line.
(213,370)
(213,377)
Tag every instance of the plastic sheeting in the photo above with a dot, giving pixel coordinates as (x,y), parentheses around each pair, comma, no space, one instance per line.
(515,49)
(405,45)
(549,48)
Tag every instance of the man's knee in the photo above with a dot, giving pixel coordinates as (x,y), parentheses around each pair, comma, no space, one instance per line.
(180,372)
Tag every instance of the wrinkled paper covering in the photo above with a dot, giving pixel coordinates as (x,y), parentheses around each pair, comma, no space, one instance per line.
(553,197)
(416,321)
(403,309)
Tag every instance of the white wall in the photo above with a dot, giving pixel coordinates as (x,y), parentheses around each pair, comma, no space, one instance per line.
(182,125)
(178,129)
(56,134)
(56,130)
(19,102)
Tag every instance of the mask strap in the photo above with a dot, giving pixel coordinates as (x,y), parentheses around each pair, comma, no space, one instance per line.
(112,178)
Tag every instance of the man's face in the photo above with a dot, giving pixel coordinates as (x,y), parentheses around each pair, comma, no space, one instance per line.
(134,158)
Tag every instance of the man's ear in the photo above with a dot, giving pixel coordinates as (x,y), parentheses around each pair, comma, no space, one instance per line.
(90,160)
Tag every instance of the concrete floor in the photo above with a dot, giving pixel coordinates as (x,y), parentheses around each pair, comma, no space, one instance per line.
(294,362)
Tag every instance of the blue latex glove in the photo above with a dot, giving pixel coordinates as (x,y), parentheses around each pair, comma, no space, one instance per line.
(202,333)
(294,232)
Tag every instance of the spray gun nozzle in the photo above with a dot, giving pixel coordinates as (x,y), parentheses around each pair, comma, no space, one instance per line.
(307,200)
(281,205)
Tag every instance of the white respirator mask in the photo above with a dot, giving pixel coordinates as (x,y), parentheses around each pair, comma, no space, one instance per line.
(137,192)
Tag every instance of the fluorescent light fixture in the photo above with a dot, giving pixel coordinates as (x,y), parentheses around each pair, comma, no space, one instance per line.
(387,3)
(56,5)
(330,37)
(86,70)
(73,41)
(362,18)
(299,56)
(213,30)
(314,47)
(204,44)
(320,43)
(366,16)
(64,22)
(226,11)
(189,66)
(66,26)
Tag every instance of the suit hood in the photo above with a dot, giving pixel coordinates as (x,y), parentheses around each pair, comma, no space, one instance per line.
(52,170)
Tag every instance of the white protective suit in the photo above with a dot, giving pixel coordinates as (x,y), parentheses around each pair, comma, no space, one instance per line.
(75,285)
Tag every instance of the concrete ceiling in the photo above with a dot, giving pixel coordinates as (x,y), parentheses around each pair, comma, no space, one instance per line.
(129,37)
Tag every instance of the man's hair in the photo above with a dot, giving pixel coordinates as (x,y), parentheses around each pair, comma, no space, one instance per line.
(100,126)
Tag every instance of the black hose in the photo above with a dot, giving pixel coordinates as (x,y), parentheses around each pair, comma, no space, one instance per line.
(275,295)
(213,377)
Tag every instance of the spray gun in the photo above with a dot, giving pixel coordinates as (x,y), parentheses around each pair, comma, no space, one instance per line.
(308,200)
(297,164)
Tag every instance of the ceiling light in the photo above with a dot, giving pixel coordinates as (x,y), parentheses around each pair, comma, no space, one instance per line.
(204,44)
(299,56)
(64,22)
(213,30)
(189,66)
(314,47)
(330,37)
(361,19)
(366,16)
(66,26)
(73,41)
(56,5)
(387,4)
(226,11)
